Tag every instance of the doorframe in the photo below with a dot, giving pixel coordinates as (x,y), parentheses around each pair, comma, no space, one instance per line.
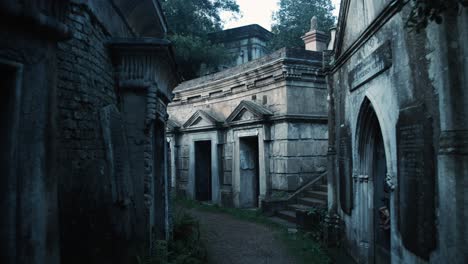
(215,180)
(14,177)
(262,161)
(363,162)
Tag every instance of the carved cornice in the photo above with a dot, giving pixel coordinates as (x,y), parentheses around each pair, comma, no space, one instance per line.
(253,74)
(300,118)
(139,61)
(454,142)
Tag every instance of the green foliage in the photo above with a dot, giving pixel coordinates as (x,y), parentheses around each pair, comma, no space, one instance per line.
(426,11)
(318,214)
(306,248)
(193,51)
(185,248)
(251,215)
(189,23)
(292,21)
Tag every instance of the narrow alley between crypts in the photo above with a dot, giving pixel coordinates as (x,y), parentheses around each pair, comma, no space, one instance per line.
(232,241)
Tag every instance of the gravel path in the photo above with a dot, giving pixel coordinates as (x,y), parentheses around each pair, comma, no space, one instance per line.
(232,241)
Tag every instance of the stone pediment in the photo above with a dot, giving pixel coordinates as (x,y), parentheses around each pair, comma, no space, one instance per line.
(249,111)
(172,125)
(201,119)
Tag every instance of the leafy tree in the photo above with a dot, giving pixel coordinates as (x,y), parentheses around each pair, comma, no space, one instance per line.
(426,11)
(292,21)
(189,23)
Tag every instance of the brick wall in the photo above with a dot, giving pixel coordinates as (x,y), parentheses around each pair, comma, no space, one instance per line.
(85,85)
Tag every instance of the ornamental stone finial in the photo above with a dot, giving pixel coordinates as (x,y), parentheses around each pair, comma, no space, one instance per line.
(313,23)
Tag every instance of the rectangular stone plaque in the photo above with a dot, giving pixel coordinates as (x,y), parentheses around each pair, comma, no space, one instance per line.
(117,152)
(345,169)
(376,63)
(416,181)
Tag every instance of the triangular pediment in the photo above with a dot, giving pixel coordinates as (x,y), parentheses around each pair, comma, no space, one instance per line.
(201,119)
(249,111)
(172,125)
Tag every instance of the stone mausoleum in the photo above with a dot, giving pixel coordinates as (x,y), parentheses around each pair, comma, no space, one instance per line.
(244,43)
(241,134)
(398,128)
(84,88)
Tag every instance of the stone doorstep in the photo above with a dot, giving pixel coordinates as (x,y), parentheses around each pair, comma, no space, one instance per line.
(287,215)
(316,195)
(320,188)
(312,202)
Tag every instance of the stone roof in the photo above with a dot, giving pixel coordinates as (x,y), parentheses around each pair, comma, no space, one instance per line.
(282,54)
(243,32)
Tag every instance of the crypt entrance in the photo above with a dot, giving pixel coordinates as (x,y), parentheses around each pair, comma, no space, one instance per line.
(373,196)
(203,175)
(249,172)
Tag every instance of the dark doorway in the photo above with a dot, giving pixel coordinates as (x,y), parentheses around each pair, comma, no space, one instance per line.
(203,172)
(8,180)
(249,173)
(159,175)
(381,201)
(373,163)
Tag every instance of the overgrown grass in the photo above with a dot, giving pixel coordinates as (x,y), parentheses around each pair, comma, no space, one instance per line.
(302,245)
(185,247)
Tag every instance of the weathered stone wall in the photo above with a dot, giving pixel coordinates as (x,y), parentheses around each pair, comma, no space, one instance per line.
(288,116)
(87,188)
(113,189)
(399,73)
(68,191)
(29,227)
(298,153)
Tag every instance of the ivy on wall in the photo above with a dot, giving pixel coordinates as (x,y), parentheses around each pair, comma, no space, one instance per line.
(426,11)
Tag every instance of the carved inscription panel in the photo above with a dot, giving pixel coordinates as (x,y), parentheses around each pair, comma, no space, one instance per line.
(416,181)
(376,63)
(116,152)
(345,169)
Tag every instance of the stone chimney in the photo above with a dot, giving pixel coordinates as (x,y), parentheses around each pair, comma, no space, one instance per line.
(315,40)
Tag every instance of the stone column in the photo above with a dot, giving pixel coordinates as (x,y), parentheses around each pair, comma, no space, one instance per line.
(449,70)
(144,73)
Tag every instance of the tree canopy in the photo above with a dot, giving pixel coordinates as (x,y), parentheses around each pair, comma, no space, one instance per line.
(189,23)
(292,21)
(426,11)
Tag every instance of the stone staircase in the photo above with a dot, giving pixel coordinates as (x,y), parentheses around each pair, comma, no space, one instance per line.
(314,196)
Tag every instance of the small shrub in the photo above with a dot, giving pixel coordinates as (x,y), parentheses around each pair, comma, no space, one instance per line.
(185,248)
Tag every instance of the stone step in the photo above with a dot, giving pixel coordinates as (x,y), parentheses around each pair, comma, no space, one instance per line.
(316,195)
(282,222)
(312,202)
(300,207)
(319,188)
(287,215)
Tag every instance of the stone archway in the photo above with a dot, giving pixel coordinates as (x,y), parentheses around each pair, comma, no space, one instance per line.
(373,197)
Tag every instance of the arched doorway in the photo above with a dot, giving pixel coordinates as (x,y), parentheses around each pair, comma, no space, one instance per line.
(375,198)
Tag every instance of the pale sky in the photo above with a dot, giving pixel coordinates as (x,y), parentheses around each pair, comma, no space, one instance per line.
(258,12)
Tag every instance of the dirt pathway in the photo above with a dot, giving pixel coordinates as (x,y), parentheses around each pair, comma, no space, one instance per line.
(232,241)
